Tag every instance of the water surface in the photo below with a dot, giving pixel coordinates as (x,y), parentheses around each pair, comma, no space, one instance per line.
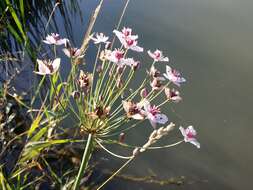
(211,43)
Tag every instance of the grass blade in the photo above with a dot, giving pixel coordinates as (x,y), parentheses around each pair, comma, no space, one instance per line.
(16,19)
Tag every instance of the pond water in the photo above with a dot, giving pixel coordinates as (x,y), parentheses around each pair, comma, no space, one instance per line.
(211,43)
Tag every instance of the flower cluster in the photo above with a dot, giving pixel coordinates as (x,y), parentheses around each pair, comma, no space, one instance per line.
(103,101)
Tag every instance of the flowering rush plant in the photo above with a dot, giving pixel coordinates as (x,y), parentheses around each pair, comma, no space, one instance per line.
(102,102)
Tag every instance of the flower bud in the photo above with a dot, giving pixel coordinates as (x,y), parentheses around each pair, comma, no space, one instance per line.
(122,137)
(100,98)
(119,83)
(156,84)
(119,70)
(99,69)
(136,66)
(76,94)
(144,93)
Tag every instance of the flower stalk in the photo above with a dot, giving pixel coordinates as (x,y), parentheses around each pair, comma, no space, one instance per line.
(86,157)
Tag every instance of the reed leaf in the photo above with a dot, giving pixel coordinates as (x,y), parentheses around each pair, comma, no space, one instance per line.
(3,182)
(39,134)
(32,149)
(22,169)
(14,33)
(22,10)
(34,125)
(16,19)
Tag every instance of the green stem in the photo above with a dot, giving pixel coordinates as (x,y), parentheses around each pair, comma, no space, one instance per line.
(116,173)
(85,160)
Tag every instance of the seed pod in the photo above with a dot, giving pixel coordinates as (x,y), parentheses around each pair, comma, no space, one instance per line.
(136,151)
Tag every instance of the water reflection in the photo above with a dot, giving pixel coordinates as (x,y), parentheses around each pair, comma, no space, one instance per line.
(211,43)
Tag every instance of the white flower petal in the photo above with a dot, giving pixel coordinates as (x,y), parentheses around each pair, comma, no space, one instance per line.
(146,105)
(166,76)
(195,142)
(151,54)
(182,131)
(66,52)
(137,116)
(120,36)
(43,69)
(61,42)
(39,73)
(126,105)
(56,65)
(47,42)
(161,118)
(136,48)
(166,59)
(168,69)
(153,123)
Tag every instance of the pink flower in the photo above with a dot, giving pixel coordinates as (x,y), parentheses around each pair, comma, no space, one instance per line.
(125,33)
(128,32)
(156,77)
(154,73)
(85,81)
(174,76)
(156,84)
(115,56)
(105,55)
(157,55)
(100,38)
(55,39)
(154,115)
(132,44)
(131,62)
(72,52)
(48,67)
(172,94)
(128,40)
(133,110)
(189,135)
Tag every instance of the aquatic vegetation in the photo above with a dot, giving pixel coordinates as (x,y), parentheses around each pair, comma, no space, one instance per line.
(100,104)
